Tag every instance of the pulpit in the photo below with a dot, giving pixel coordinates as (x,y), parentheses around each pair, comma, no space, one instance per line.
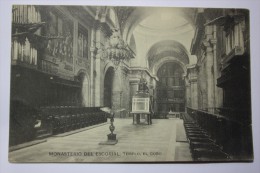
(141,108)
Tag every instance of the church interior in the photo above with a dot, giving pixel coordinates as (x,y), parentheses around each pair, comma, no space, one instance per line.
(168,84)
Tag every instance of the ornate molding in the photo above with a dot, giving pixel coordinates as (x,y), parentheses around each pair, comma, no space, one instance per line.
(123,14)
(213,41)
(164,60)
(99,54)
(193,80)
(124,69)
(93,49)
(196,40)
(206,46)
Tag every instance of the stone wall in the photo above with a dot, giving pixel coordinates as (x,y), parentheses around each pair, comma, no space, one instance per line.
(207,47)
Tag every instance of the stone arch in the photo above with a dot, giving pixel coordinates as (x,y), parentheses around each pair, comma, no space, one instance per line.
(107,66)
(141,13)
(170,88)
(167,48)
(113,17)
(84,78)
(164,60)
(108,86)
(132,44)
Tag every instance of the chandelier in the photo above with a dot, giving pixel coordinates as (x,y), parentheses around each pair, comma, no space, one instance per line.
(116,49)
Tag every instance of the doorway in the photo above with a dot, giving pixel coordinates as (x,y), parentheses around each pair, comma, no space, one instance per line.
(108,86)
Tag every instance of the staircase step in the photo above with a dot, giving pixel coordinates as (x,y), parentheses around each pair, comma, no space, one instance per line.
(45,135)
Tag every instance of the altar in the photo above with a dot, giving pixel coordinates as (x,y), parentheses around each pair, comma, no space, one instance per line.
(173,114)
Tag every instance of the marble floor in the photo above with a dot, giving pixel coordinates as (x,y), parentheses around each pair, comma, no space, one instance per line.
(163,141)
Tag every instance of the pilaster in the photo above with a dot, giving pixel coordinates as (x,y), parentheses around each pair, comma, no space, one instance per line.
(92,86)
(209,68)
(188,94)
(194,91)
(75,44)
(119,92)
(98,82)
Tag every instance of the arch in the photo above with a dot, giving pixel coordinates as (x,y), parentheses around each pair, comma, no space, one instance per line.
(108,86)
(113,17)
(84,78)
(167,48)
(81,71)
(132,44)
(107,66)
(141,13)
(164,60)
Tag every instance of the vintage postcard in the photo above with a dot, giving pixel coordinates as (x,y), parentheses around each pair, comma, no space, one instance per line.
(129,84)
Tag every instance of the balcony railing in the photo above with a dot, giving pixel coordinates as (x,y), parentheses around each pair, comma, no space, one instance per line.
(236,51)
(49,67)
(166,100)
(174,87)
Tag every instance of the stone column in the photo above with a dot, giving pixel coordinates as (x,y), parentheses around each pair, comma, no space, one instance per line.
(209,67)
(98,73)
(75,44)
(194,91)
(193,88)
(98,82)
(155,108)
(217,91)
(117,91)
(188,96)
(120,91)
(92,88)
(125,91)
(210,78)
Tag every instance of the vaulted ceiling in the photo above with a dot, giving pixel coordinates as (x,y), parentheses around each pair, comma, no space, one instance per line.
(155,32)
(133,16)
(158,32)
(167,48)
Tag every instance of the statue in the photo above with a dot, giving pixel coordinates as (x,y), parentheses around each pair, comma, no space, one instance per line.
(142,86)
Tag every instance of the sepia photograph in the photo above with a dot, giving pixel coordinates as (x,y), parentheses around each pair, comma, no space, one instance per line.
(129,84)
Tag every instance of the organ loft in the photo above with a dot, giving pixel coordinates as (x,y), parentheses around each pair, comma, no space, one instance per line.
(176,75)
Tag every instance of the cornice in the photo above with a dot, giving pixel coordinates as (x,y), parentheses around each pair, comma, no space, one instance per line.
(144,69)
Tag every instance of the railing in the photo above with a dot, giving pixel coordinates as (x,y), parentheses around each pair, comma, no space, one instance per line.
(229,128)
(239,116)
(237,50)
(49,67)
(175,87)
(82,62)
(166,100)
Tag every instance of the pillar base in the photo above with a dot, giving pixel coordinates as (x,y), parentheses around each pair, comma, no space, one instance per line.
(111,140)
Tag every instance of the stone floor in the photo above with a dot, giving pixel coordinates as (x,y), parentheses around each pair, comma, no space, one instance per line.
(158,142)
